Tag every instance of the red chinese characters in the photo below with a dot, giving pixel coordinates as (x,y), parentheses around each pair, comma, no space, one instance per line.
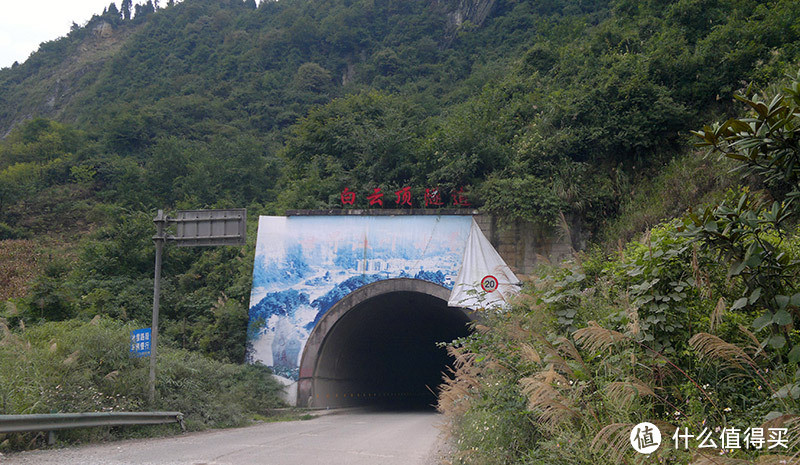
(403,196)
(460,198)
(433,197)
(348,197)
(375,197)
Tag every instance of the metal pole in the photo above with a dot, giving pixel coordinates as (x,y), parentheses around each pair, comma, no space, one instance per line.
(160,220)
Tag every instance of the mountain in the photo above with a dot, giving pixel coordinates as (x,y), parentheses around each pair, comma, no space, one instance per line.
(535,110)
(525,103)
(253,62)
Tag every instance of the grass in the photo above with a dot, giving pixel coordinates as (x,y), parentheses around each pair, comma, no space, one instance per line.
(80,366)
(689,180)
(529,387)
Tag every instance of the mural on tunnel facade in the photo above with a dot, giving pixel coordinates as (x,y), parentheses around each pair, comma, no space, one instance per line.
(305,264)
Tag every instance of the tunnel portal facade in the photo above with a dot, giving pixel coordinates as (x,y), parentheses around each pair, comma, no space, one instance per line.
(381,345)
(353,310)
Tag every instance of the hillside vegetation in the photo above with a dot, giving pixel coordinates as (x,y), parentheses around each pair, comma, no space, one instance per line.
(692,328)
(533,109)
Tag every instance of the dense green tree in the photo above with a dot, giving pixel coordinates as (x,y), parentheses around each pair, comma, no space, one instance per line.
(113,12)
(312,77)
(126,9)
(362,141)
(142,11)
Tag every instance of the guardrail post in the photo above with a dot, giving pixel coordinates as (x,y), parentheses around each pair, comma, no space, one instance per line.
(51,438)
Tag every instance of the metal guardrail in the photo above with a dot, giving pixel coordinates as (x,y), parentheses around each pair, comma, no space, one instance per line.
(58,421)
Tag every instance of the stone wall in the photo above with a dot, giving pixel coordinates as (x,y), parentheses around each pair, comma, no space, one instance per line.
(523,245)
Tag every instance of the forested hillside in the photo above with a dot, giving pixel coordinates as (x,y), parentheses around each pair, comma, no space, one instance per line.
(534,108)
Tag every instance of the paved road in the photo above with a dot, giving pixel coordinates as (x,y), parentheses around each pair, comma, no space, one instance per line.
(352,438)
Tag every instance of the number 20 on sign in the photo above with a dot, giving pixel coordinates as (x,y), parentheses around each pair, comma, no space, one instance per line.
(489,283)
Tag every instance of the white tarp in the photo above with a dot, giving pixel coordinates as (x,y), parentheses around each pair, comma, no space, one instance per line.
(481,261)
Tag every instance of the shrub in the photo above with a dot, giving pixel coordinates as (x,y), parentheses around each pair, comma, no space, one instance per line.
(78,366)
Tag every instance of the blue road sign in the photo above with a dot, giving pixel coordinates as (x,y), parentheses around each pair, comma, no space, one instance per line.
(140,342)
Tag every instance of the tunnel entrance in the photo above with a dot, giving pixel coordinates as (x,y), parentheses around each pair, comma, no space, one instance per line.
(378,347)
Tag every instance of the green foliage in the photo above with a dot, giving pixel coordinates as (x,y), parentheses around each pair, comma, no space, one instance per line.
(204,292)
(497,429)
(766,141)
(211,393)
(749,240)
(78,366)
(49,299)
(663,288)
(686,181)
(18,182)
(749,235)
(657,331)
(311,77)
(568,103)
(527,199)
(39,141)
(126,9)
(591,350)
(362,141)
(564,298)
(223,334)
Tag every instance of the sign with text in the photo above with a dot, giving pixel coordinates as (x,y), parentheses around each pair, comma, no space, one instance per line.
(140,342)
(489,283)
(432,198)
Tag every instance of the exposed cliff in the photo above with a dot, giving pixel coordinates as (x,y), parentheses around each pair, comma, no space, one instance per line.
(47,84)
(460,11)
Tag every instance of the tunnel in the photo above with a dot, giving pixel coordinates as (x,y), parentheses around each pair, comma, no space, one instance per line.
(380,347)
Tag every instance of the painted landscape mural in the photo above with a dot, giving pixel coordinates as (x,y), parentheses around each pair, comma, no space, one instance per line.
(305,264)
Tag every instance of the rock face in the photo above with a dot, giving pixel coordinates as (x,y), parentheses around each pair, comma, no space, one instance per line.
(51,91)
(102,30)
(349,74)
(459,11)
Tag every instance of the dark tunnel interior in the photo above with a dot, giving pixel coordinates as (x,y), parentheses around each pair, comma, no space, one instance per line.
(383,352)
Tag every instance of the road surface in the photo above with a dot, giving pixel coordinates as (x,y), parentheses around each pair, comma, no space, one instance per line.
(353,438)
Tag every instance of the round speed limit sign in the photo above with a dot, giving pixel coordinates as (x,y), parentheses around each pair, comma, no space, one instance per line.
(489,283)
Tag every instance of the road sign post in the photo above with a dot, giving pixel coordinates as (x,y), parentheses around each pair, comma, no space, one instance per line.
(159,239)
(194,228)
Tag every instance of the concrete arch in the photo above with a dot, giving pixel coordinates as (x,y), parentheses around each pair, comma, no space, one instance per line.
(386,302)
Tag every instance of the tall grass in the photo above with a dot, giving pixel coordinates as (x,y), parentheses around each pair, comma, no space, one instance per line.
(686,181)
(79,366)
(527,388)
